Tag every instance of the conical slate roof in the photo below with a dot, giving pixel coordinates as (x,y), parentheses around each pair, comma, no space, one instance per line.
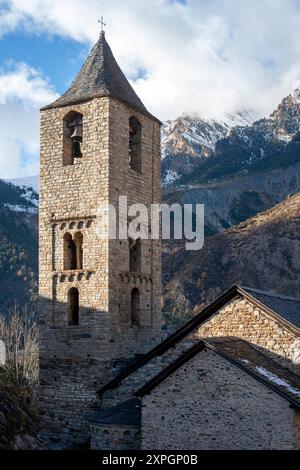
(100,76)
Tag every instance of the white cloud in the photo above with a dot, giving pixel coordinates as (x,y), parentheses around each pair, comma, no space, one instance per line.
(213,56)
(23,92)
(208,56)
(26,84)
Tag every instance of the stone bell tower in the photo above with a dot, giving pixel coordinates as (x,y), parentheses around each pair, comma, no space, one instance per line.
(99,298)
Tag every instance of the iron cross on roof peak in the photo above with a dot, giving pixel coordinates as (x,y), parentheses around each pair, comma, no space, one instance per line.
(102,24)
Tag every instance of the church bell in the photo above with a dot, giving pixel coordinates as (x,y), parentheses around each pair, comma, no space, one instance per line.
(77,133)
(76,137)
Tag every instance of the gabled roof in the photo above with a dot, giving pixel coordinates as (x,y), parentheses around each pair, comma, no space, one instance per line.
(127,413)
(286,307)
(244,356)
(282,309)
(100,76)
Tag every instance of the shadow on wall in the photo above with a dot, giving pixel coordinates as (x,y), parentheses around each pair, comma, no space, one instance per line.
(123,331)
(281,360)
(81,349)
(108,430)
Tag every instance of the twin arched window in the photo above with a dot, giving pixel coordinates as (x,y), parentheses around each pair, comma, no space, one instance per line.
(73,251)
(72,137)
(135,144)
(135,255)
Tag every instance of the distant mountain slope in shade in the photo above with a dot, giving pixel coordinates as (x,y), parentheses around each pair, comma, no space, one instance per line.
(27,182)
(263,252)
(18,244)
(231,200)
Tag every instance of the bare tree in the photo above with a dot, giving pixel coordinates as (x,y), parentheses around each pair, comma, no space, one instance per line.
(19,332)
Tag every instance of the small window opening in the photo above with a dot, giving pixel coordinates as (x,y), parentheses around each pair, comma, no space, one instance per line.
(135,144)
(73,137)
(135,307)
(135,255)
(78,240)
(73,307)
(69,252)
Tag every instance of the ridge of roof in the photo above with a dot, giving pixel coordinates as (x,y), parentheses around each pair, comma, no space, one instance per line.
(253,370)
(164,345)
(277,305)
(127,412)
(185,329)
(270,294)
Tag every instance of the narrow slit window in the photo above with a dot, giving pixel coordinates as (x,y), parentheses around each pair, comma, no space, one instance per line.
(135,144)
(73,307)
(135,307)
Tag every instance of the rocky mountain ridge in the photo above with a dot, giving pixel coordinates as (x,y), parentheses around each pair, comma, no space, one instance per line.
(262,252)
(197,150)
(190,138)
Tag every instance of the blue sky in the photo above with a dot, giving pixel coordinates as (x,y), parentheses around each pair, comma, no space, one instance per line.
(209,57)
(56,57)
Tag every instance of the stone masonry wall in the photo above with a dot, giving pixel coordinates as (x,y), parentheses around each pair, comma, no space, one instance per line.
(75,360)
(210,404)
(143,188)
(115,437)
(241,319)
(69,197)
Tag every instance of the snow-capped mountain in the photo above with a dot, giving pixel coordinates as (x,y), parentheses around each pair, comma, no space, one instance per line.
(197,150)
(191,131)
(284,122)
(18,197)
(27,182)
(190,138)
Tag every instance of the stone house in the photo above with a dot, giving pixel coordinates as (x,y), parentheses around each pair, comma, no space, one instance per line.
(221,394)
(227,379)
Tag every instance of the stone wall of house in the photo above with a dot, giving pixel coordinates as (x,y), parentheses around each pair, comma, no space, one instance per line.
(241,319)
(143,374)
(77,359)
(211,404)
(115,437)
